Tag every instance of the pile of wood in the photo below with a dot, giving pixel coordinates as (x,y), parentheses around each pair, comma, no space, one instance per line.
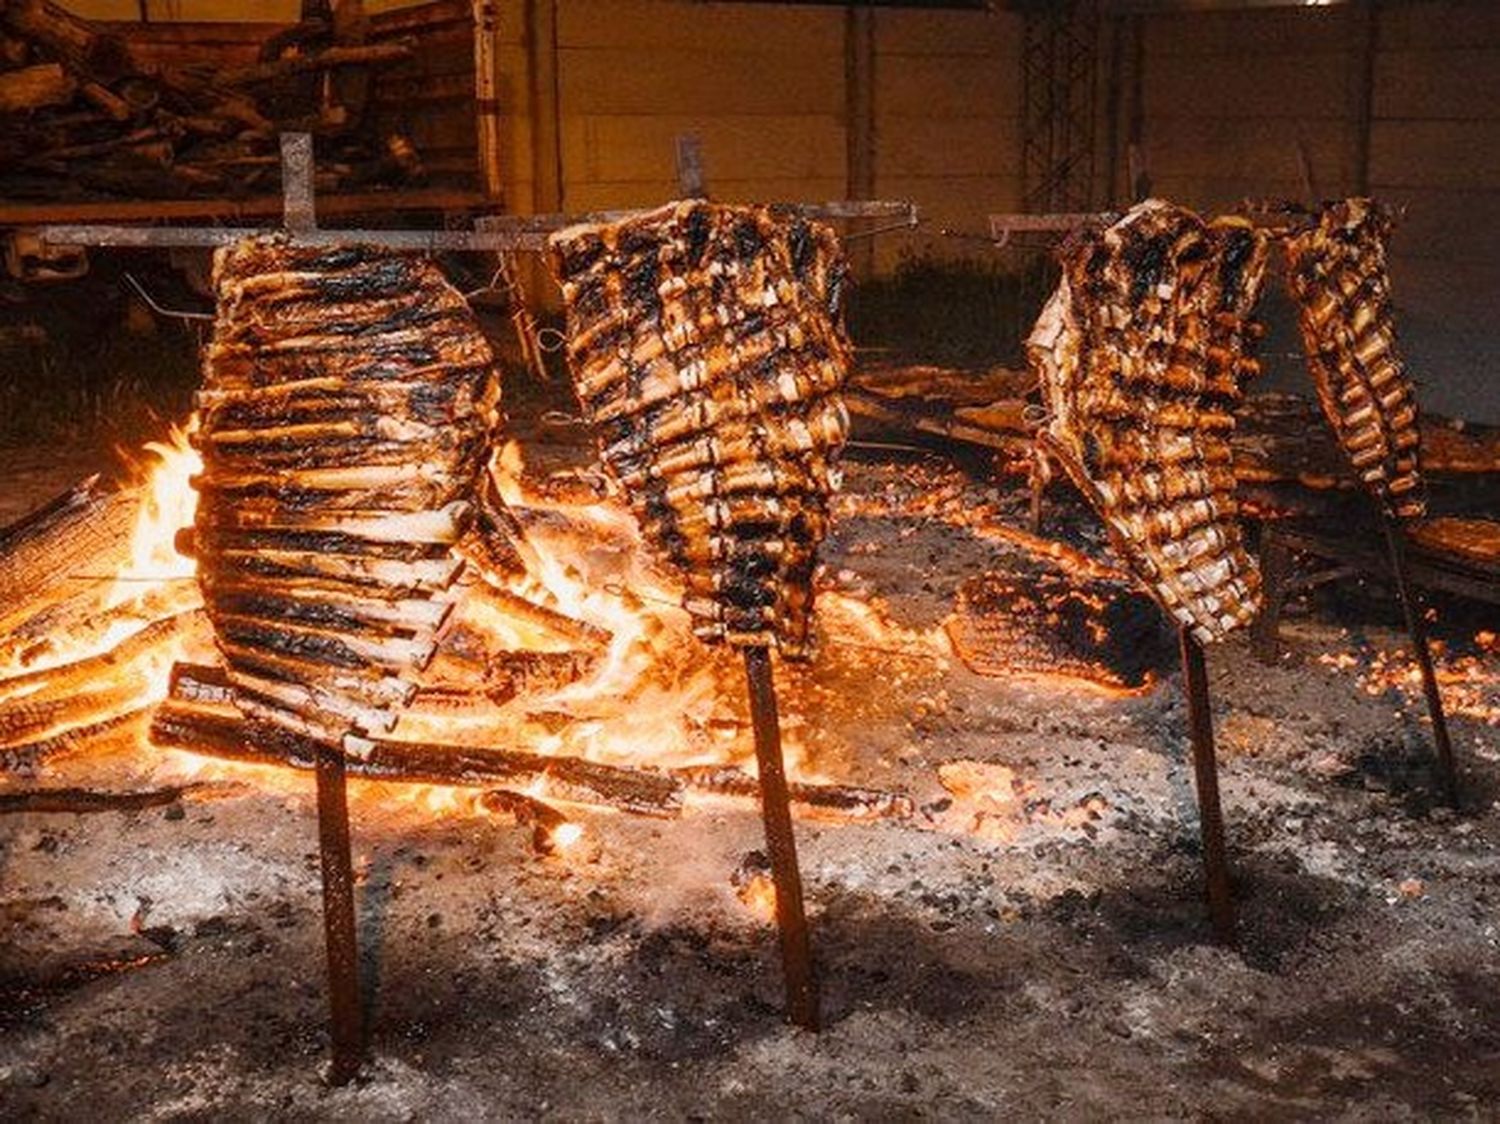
(1279,438)
(83,115)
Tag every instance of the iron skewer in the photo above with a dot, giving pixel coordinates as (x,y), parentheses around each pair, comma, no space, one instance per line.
(1395,541)
(346,1023)
(1206,780)
(776,812)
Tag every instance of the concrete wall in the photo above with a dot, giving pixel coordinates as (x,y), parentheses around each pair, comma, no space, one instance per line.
(1233,101)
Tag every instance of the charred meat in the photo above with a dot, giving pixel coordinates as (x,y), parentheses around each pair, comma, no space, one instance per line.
(1338,277)
(707,347)
(1141,354)
(346,417)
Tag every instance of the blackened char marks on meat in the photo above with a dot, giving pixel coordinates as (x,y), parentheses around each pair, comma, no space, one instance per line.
(1142,354)
(714,391)
(342,459)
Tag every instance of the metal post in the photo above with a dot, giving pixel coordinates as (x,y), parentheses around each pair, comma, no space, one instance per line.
(796,951)
(297,182)
(346,1022)
(1275,571)
(1395,541)
(1206,777)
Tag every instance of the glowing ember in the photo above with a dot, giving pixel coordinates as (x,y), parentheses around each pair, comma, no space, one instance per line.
(758,893)
(1469,680)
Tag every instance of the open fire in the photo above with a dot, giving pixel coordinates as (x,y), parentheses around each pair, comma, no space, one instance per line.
(612,676)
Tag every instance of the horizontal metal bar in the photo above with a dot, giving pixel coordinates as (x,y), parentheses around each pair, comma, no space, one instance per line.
(425,241)
(13,213)
(494,233)
(1001,225)
(836,209)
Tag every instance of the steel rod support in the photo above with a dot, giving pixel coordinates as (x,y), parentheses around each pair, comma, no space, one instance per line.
(346,1022)
(791,917)
(1395,541)
(1206,780)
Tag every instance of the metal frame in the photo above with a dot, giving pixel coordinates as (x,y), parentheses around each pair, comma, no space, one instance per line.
(1059,105)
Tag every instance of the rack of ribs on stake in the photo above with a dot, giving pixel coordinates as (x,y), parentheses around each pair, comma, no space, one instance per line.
(1142,354)
(707,346)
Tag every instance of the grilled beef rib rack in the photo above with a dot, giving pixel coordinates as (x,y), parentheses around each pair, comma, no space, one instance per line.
(347,412)
(1141,354)
(1337,275)
(707,347)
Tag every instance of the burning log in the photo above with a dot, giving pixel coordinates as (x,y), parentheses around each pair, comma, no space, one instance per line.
(79,674)
(198,718)
(88,736)
(76,541)
(550,829)
(220,733)
(1038,620)
(29,717)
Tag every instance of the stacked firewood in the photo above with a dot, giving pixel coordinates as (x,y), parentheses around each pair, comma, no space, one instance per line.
(81,115)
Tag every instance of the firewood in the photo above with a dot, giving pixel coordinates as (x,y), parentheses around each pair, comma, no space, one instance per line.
(115,107)
(220,732)
(82,801)
(378,54)
(77,540)
(100,55)
(30,718)
(91,735)
(34,87)
(845,802)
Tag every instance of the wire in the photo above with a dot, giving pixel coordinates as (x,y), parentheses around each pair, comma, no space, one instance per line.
(160,310)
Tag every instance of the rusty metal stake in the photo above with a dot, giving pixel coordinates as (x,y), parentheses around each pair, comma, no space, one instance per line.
(1206,778)
(796,949)
(346,1022)
(1395,541)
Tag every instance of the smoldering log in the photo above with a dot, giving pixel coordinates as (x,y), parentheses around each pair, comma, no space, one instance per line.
(82,801)
(847,802)
(218,733)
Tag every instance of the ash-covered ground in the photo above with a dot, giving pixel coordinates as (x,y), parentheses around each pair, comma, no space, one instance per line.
(1037,947)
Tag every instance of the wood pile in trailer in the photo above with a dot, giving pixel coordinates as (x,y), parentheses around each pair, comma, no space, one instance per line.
(94,111)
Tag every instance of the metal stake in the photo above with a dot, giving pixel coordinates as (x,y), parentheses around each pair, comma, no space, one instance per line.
(1206,777)
(1395,541)
(796,951)
(347,1019)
